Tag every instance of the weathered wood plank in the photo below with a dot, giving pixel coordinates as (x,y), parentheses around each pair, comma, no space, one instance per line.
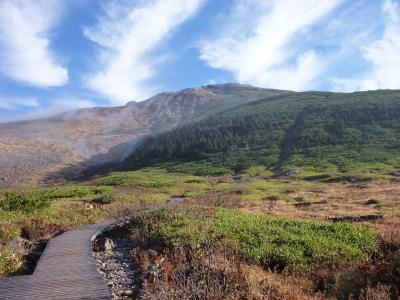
(66,270)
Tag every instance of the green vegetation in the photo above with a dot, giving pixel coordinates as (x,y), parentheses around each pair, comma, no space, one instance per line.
(250,185)
(71,191)
(315,133)
(147,178)
(154,178)
(31,200)
(12,201)
(239,232)
(41,212)
(242,231)
(273,242)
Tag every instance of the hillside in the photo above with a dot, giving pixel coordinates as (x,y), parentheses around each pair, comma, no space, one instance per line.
(31,151)
(308,134)
(255,234)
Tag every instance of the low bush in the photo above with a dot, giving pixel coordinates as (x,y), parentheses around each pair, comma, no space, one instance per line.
(146,178)
(10,262)
(72,191)
(30,200)
(272,242)
(106,198)
(12,201)
(348,178)
(38,229)
(187,274)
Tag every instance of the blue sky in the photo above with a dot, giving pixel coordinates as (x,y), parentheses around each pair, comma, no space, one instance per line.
(57,55)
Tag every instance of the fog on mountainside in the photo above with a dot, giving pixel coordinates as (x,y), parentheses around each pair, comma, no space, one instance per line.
(30,151)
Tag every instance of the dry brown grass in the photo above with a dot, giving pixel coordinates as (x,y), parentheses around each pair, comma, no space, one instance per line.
(215,273)
(379,278)
(342,200)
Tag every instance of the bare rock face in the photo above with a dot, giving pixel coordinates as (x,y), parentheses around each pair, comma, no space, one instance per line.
(33,151)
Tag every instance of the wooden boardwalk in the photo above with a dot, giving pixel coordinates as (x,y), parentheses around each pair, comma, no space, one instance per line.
(66,270)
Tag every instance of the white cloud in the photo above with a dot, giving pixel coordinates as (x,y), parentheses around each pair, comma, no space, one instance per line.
(38,111)
(59,106)
(14,102)
(255,42)
(383,55)
(25,54)
(128,33)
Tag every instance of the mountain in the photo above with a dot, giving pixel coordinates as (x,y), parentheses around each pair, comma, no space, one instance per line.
(68,143)
(312,134)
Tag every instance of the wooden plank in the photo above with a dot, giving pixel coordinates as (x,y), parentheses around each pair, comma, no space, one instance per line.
(66,270)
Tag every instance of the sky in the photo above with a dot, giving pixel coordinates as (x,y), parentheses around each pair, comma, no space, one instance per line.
(58,55)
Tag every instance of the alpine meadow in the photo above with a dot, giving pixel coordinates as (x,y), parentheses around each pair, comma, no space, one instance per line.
(198,149)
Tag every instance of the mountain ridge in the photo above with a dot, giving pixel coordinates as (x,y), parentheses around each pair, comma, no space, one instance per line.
(320,133)
(92,136)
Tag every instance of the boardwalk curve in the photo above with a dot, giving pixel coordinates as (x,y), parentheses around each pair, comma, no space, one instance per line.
(66,270)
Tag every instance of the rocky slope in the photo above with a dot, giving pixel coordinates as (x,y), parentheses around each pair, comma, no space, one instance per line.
(30,151)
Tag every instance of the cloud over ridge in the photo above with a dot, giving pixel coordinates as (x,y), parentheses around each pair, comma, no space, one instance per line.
(126,34)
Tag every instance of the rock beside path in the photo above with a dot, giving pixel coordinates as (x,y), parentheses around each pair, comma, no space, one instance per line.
(103,244)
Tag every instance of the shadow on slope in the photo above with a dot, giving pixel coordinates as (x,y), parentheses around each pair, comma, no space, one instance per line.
(97,165)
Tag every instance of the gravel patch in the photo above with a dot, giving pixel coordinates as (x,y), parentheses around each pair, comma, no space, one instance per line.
(119,270)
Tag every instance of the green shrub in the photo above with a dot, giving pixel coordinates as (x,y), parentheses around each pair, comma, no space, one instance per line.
(72,191)
(103,199)
(12,201)
(273,242)
(10,262)
(348,178)
(147,178)
(33,199)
